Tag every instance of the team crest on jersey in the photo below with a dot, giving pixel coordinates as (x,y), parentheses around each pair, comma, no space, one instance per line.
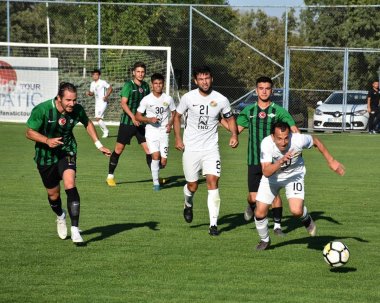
(165,104)
(262,115)
(213,103)
(141,90)
(62,121)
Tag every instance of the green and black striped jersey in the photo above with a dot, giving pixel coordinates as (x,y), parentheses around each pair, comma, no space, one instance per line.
(48,121)
(134,94)
(259,122)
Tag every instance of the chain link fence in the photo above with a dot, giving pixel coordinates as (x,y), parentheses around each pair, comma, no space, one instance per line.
(239,43)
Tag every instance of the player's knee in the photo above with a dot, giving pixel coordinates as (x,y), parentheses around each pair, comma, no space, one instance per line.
(261,210)
(297,212)
(277,202)
(192,186)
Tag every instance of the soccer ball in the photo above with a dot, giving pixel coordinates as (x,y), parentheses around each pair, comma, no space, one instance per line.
(336,254)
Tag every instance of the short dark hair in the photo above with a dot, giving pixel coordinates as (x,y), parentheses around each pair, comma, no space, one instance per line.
(157,76)
(139,64)
(281,125)
(96,71)
(264,79)
(63,86)
(201,70)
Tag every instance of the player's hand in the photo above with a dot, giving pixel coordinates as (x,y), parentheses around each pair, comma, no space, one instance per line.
(337,167)
(105,151)
(179,145)
(168,128)
(154,120)
(135,122)
(54,142)
(234,141)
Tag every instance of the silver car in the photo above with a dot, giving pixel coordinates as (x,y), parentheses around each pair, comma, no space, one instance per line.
(329,115)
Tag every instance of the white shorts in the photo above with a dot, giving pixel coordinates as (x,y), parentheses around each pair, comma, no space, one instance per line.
(207,161)
(294,188)
(158,141)
(100,107)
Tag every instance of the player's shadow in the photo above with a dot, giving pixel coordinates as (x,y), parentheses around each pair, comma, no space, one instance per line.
(113,229)
(136,181)
(227,222)
(316,243)
(178,181)
(290,223)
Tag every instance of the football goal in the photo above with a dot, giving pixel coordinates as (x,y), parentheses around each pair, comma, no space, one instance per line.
(75,63)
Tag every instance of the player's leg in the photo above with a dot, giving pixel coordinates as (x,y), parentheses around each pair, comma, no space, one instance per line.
(295,192)
(67,168)
(51,178)
(191,167)
(254,177)
(211,167)
(100,108)
(140,136)
(264,199)
(124,136)
(277,216)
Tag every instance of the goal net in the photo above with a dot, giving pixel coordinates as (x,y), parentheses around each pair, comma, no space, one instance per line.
(75,63)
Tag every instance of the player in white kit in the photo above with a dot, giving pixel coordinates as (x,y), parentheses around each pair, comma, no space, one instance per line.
(202,108)
(283,167)
(101,90)
(158,107)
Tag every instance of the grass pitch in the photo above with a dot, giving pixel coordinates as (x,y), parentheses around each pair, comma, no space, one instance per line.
(139,248)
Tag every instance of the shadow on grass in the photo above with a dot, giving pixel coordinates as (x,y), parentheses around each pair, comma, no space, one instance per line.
(343,270)
(113,229)
(171,181)
(316,243)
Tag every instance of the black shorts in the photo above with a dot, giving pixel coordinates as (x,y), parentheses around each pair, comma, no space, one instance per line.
(254,176)
(127,132)
(51,175)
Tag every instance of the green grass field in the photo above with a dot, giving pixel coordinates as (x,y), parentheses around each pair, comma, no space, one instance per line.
(139,248)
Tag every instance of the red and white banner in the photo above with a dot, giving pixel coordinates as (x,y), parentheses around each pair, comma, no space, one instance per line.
(24,83)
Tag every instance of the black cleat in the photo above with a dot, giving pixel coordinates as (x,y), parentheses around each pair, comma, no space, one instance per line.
(213,231)
(262,245)
(279,232)
(188,214)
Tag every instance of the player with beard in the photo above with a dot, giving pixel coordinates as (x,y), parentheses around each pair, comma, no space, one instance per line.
(202,108)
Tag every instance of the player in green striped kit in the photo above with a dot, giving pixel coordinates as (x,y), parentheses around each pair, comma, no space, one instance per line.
(51,125)
(259,118)
(131,95)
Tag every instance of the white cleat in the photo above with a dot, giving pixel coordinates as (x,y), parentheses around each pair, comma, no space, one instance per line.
(61,227)
(105,135)
(75,235)
(312,229)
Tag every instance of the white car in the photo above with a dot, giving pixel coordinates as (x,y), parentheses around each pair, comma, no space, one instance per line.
(329,114)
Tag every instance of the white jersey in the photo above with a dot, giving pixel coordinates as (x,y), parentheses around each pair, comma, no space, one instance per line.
(202,118)
(99,89)
(157,107)
(270,153)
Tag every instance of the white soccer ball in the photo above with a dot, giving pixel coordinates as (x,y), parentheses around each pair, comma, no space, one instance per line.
(336,254)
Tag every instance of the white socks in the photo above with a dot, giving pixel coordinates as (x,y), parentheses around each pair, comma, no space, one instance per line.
(262,229)
(188,196)
(103,126)
(155,168)
(213,203)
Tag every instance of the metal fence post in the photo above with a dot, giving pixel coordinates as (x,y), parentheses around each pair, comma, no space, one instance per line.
(345,85)
(190,42)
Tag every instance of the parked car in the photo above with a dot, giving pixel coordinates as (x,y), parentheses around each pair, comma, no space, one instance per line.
(329,114)
(297,109)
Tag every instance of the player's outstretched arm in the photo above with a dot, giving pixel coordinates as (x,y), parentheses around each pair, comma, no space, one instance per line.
(333,164)
(94,136)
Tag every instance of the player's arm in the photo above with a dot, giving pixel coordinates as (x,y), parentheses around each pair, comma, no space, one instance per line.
(224,123)
(177,131)
(33,135)
(234,141)
(144,119)
(94,136)
(369,104)
(333,164)
(89,93)
(270,168)
(170,122)
(108,93)
(125,107)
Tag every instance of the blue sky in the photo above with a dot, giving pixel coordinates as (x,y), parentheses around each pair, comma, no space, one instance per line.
(267,2)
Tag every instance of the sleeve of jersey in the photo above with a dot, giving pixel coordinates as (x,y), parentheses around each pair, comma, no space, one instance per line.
(142,106)
(287,118)
(171,104)
(182,106)
(307,141)
(35,120)
(226,111)
(92,87)
(106,84)
(242,119)
(83,118)
(266,152)
(125,91)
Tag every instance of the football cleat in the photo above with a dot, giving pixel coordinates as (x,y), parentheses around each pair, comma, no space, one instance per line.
(61,227)
(213,231)
(188,214)
(248,213)
(156,188)
(75,236)
(263,245)
(279,232)
(105,135)
(312,229)
(111,182)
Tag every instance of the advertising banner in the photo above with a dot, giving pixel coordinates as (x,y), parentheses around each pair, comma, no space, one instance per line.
(24,83)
